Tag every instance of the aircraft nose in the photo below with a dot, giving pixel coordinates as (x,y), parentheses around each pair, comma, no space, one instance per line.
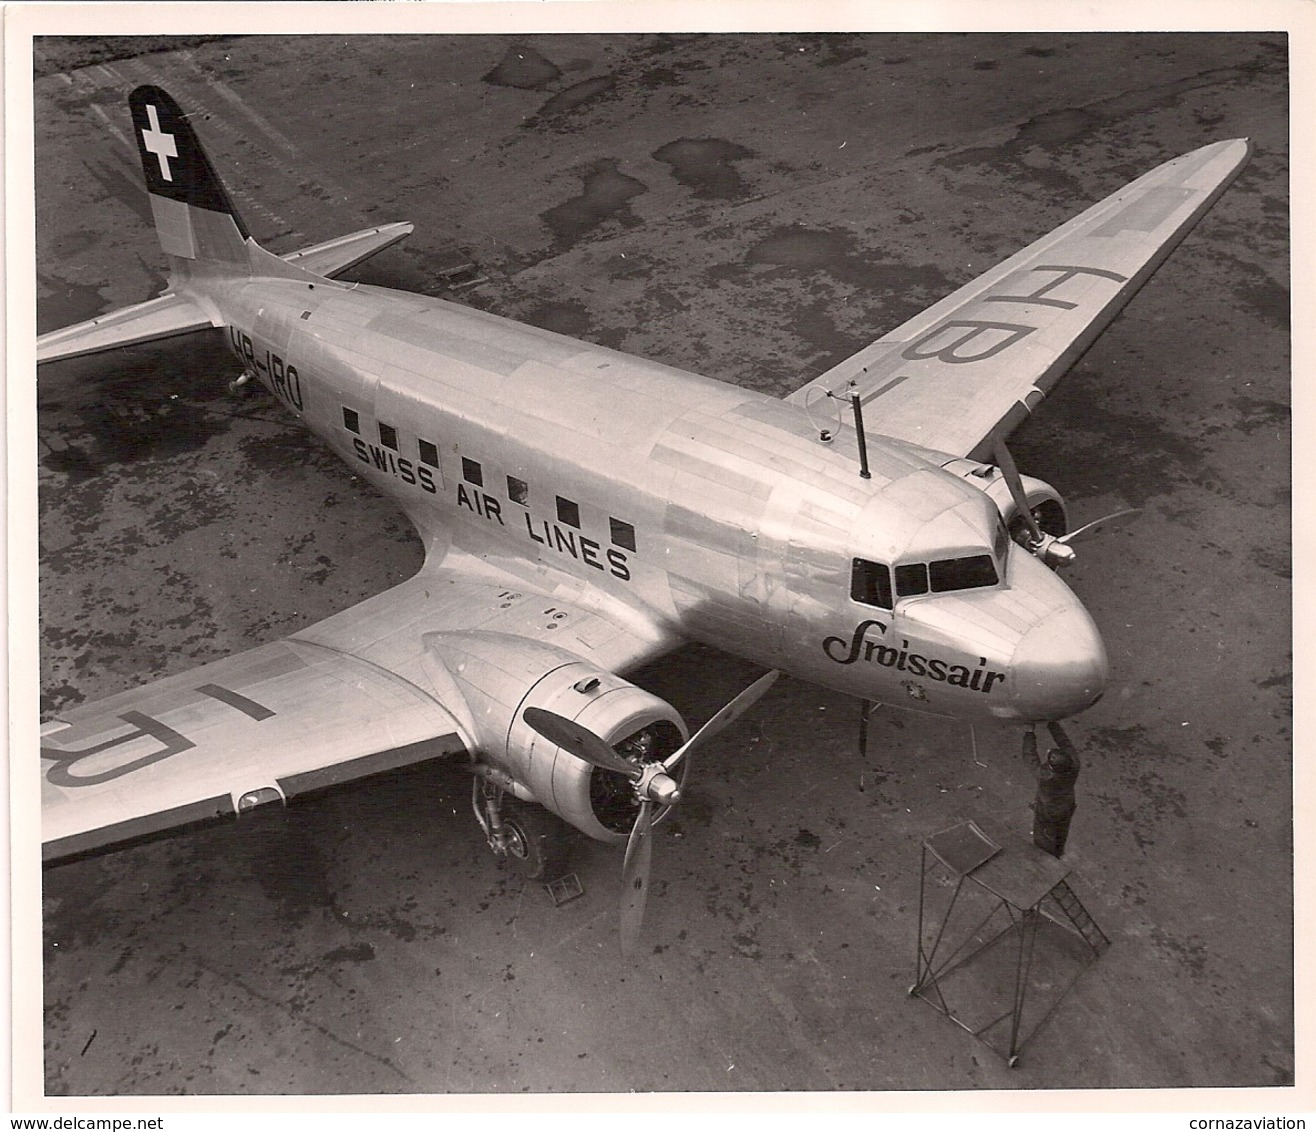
(1059,666)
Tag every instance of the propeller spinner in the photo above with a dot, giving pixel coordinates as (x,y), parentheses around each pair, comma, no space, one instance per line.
(653,784)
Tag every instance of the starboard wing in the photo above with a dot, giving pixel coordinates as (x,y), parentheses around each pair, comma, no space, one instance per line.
(348,697)
(982,358)
(252,728)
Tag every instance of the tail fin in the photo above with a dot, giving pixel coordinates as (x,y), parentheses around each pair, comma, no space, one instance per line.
(194,217)
(203,236)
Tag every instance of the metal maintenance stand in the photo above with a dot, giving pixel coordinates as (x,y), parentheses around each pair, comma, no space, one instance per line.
(1012,924)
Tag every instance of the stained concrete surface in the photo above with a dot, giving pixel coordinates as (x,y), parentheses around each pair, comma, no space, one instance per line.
(754,208)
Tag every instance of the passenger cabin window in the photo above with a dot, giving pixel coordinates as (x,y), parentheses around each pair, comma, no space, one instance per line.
(429,453)
(870,583)
(518,491)
(472,472)
(568,512)
(623,534)
(351,420)
(388,436)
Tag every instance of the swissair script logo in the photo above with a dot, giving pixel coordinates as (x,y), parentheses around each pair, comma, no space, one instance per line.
(158,142)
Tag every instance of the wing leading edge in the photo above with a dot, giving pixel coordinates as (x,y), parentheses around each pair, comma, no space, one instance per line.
(983,357)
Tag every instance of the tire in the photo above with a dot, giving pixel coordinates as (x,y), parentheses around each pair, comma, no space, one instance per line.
(533,839)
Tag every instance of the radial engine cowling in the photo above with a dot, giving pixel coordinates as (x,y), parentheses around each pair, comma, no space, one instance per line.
(498,676)
(1046,504)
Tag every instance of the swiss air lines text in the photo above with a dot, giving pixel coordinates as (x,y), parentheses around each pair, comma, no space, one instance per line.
(386,460)
(553,536)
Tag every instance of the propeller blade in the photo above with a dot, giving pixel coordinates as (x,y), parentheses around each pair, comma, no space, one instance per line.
(724,718)
(654,787)
(1004,461)
(580,741)
(635,877)
(1116,517)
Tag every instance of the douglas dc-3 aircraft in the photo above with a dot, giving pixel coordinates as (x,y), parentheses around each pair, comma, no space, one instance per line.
(584,511)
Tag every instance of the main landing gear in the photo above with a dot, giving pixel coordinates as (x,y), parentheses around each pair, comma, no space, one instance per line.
(525,834)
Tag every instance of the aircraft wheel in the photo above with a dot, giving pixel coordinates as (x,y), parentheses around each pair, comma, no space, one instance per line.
(533,838)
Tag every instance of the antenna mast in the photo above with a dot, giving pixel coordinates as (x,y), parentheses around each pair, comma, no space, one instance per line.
(858,408)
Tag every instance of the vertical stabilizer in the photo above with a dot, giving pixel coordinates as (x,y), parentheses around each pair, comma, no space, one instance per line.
(204,238)
(194,218)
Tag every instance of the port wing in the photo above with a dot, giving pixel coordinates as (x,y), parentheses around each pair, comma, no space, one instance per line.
(981,359)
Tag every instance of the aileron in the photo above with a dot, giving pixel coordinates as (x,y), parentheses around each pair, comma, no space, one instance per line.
(347,698)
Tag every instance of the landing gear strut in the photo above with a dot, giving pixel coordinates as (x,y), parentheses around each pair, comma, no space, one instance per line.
(526,835)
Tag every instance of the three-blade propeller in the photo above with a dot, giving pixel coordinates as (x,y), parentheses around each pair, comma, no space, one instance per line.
(1054,550)
(653,783)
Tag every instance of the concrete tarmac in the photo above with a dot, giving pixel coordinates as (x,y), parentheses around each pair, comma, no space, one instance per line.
(754,208)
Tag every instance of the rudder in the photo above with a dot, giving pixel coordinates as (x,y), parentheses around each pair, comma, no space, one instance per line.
(204,239)
(194,217)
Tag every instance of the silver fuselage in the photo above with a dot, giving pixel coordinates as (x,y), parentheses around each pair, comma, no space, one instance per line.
(716,509)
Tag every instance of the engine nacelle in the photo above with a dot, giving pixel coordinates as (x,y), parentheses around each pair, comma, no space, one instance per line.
(1047,504)
(498,676)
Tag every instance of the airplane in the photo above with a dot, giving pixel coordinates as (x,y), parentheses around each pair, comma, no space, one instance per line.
(584,511)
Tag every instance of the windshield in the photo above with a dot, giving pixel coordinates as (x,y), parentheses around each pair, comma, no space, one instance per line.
(970,573)
(1002,543)
(945,575)
(870,582)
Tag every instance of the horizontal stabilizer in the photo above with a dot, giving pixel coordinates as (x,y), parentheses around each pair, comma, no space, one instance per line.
(335,256)
(163,317)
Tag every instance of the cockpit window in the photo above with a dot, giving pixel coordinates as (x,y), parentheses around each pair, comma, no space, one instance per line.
(870,583)
(911,579)
(969,573)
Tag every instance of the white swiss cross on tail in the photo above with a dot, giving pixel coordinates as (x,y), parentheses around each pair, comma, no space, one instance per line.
(161,144)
